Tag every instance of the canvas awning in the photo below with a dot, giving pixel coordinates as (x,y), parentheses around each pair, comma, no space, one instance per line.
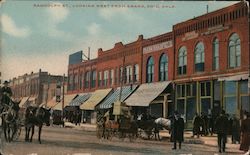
(95,99)
(234,77)
(146,93)
(23,101)
(58,106)
(126,91)
(68,99)
(52,102)
(80,99)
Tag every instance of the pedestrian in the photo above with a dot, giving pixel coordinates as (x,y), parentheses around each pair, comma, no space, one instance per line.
(197,122)
(6,94)
(221,125)
(245,133)
(204,123)
(177,131)
(235,130)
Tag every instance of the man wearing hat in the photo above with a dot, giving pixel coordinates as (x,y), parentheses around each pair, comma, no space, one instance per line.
(221,126)
(6,93)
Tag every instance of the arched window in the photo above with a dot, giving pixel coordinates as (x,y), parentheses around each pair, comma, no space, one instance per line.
(216,54)
(150,70)
(163,68)
(199,57)
(234,51)
(182,60)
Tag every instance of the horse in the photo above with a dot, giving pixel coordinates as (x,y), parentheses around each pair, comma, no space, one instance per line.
(35,116)
(9,119)
(149,127)
(163,123)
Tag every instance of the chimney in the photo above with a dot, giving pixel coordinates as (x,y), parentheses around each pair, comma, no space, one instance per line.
(140,37)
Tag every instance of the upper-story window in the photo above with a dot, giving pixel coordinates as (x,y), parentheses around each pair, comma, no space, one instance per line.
(99,79)
(150,70)
(136,73)
(111,80)
(106,77)
(163,68)
(86,79)
(199,57)
(234,51)
(93,79)
(216,54)
(128,74)
(182,60)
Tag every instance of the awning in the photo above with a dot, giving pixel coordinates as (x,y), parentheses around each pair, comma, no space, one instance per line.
(146,93)
(126,91)
(80,99)
(58,106)
(234,77)
(68,99)
(95,99)
(23,101)
(52,102)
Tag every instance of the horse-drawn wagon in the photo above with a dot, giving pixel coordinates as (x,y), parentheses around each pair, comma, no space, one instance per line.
(121,126)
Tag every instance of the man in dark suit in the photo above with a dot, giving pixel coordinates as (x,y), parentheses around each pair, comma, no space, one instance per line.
(177,131)
(221,125)
(6,93)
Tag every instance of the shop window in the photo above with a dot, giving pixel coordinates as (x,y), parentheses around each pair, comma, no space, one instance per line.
(181,106)
(215,54)
(230,87)
(163,68)
(150,70)
(128,74)
(182,60)
(199,57)
(190,108)
(244,87)
(205,105)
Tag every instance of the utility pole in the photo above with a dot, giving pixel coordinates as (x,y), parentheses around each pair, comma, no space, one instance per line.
(63,96)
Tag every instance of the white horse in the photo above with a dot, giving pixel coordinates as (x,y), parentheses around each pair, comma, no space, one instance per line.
(165,123)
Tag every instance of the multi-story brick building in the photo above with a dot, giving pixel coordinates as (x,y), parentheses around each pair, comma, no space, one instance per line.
(206,59)
(35,88)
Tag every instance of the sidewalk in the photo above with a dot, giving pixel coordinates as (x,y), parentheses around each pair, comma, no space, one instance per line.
(208,140)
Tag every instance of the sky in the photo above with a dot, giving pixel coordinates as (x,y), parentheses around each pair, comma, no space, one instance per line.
(42,34)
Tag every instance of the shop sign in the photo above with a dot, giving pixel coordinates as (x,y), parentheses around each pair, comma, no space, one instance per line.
(157,47)
(190,35)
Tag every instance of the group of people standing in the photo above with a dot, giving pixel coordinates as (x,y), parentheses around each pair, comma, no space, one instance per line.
(224,125)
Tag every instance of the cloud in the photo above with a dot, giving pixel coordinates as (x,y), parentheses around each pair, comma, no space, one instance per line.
(57,15)
(93,28)
(9,26)
(108,13)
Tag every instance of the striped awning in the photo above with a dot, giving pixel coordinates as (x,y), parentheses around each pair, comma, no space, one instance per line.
(146,93)
(80,99)
(23,101)
(112,98)
(95,99)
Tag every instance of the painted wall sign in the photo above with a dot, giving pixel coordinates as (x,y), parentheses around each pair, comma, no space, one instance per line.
(157,47)
(190,35)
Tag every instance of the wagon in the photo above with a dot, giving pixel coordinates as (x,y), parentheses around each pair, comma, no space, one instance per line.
(122,127)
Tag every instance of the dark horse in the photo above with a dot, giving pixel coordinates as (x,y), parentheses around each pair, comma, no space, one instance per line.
(9,120)
(35,116)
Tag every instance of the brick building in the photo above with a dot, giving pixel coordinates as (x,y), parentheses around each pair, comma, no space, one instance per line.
(205,59)
(35,88)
